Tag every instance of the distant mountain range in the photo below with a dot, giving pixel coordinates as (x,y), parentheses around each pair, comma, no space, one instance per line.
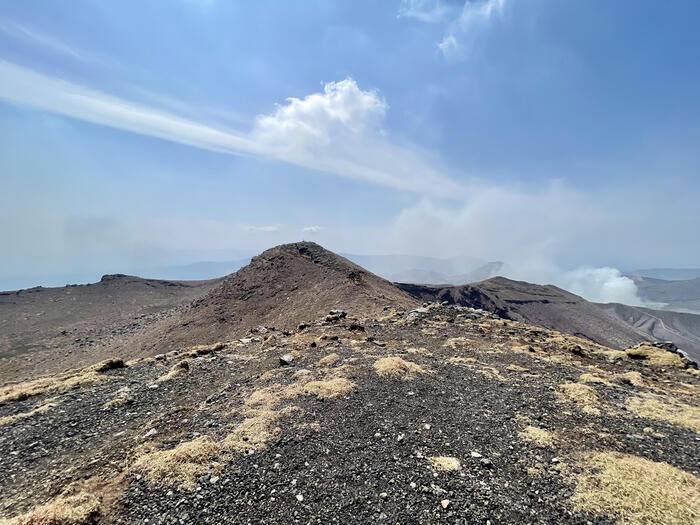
(668,274)
(679,296)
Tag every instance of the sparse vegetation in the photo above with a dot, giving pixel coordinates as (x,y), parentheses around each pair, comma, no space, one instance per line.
(592,378)
(329,360)
(671,411)
(655,356)
(637,491)
(178,369)
(445,463)
(60,383)
(399,368)
(180,465)
(583,396)
(79,509)
(330,388)
(46,405)
(517,368)
(254,431)
(537,435)
(461,360)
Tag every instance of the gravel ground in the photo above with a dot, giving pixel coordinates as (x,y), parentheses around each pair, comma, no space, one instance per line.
(362,457)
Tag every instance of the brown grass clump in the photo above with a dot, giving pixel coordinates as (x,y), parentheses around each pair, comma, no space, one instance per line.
(329,360)
(634,378)
(673,412)
(180,368)
(56,384)
(330,388)
(205,349)
(582,396)
(592,378)
(254,432)
(47,405)
(397,367)
(445,463)
(637,491)
(461,360)
(536,435)
(79,509)
(517,368)
(655,356)
(180,465)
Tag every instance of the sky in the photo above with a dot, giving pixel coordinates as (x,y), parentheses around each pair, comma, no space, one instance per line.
(559,136)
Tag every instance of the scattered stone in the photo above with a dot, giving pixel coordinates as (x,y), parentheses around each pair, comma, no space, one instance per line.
(445,503)
(286,360)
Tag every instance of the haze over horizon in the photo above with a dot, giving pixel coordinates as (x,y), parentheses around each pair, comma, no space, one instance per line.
(556,137)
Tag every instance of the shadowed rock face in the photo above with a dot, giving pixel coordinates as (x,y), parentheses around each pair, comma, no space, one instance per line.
(546,306)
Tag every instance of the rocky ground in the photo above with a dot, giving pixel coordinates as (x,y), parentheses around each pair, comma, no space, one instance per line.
(437,415)
(50,330)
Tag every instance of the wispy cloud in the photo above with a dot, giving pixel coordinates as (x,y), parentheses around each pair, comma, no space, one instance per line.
(337,131)
(312,229)
(270,228)
(462,32)
(46,42)
(423,10)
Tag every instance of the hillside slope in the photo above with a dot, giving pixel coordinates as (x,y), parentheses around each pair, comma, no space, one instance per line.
(681,296)
(546,306)
(52,329)
(281,287)
(681,328)
(441,415)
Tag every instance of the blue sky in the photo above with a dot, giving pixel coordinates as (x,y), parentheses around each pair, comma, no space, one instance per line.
(553,134)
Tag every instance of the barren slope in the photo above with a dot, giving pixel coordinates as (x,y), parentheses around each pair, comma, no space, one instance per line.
(51,329)
(546,306)
(441,415)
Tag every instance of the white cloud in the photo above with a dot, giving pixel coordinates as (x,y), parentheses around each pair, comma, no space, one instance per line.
(601,285)
(424,10)
(312,229)
(49,43)
(463,31)
(270,228)
(336,131)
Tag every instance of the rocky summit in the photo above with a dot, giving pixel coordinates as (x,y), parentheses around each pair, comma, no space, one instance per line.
(304,389)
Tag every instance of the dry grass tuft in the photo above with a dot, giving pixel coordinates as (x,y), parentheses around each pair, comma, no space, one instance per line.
(673,412)
(396,367)
(592,378)
(329,360)
(54,385)
(206,349)
(536,435)
(330,388)
(180,465)
(637,491)
(181,368)
(445,463)
(46,405)
(78,509)
(517,368)
(655,356)
(634,378)
(582,396)
(254,432)
(461,360)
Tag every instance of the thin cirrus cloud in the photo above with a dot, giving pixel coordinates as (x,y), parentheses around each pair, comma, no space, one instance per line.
(311,229)
(337,131)
(270,228)
(34,38)
(463,31)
